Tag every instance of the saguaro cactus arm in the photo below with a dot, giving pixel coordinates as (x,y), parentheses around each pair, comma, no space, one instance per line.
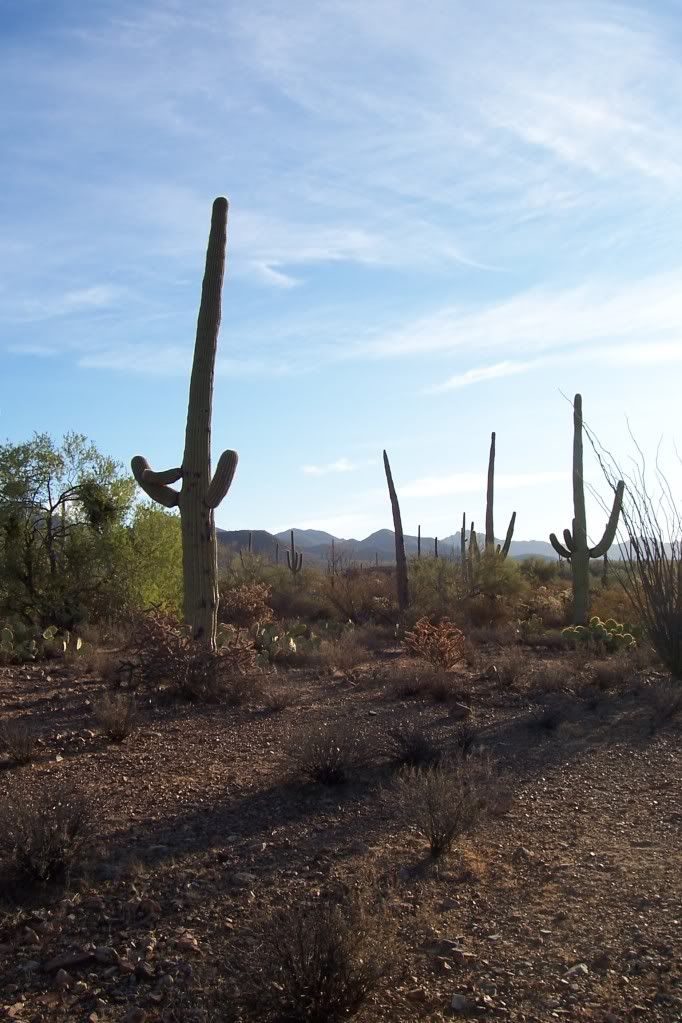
(400,559)
(558,546)
(155,484)
(222,479)
(600,549)
(504,550)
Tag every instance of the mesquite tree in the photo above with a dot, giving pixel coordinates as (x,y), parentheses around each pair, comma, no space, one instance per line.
(577,549)
(400,559)
(199,494)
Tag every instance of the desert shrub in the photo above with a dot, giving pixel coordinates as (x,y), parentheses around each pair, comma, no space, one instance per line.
(117,715)
(445,801)
(410,683)
(435,585)
(246,605)
(163,655)
(46,831)
(275,698)
(466,737)
(441,643)
(540,570)
(315,962)
(612,673)
(664,697)
(342,652)
(550,717)
(19,739)
(360,595)
(376,637)
(326,753)
(496,578)
(408,745)
(549,610)
(511,666)
(555,676)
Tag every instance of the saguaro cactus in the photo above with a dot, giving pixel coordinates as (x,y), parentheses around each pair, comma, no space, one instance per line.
(400,559)
(294,557)
(502,550)
(419,542)
(577,549)
(199,493)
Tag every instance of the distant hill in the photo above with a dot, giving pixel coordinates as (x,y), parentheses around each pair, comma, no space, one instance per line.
(305,538)
(377,546)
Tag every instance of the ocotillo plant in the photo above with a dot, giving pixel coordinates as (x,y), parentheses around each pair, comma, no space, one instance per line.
(199,493)
(400,559)
(577,549)
(503,550)
(294,557)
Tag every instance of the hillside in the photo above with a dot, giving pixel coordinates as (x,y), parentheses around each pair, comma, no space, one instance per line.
(379,545)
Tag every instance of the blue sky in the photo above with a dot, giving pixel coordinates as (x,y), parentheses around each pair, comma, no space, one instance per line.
(443,218)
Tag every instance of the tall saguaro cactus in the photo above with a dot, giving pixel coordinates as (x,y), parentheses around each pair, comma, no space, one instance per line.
(502,550)
(400,559)
(294,558)
(200,493)
(577,549)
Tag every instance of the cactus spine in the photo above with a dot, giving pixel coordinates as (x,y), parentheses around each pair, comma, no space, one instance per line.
(199,494)
(502,550)
(577,550)
(294,557)
(400,559)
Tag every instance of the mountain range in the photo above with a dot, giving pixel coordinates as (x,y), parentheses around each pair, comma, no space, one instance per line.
(379,546)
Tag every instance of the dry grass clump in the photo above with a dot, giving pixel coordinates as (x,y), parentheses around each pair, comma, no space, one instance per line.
(408,745)
(46,831)
(327,753)
(342,653)
(511,666)
(556,677)
(411,684)
(314,962)
(445,801)
(19,740)
(664,697)
(441,643)
(550,717)
(117,715)
(163,655)
(246,605)
(613,673)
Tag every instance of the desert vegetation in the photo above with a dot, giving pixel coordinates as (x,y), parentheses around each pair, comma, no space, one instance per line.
(260,787)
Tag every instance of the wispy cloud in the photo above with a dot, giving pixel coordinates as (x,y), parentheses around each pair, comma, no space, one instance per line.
(339,465)
(474,482)
(609,357)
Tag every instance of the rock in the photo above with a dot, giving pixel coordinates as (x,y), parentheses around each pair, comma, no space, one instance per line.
(135,1015)
(461,1003)
(30,964)
(579,968)
(521,854)
(70,960)
(62,979)
(459,711)
(106,955)
(143,971)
